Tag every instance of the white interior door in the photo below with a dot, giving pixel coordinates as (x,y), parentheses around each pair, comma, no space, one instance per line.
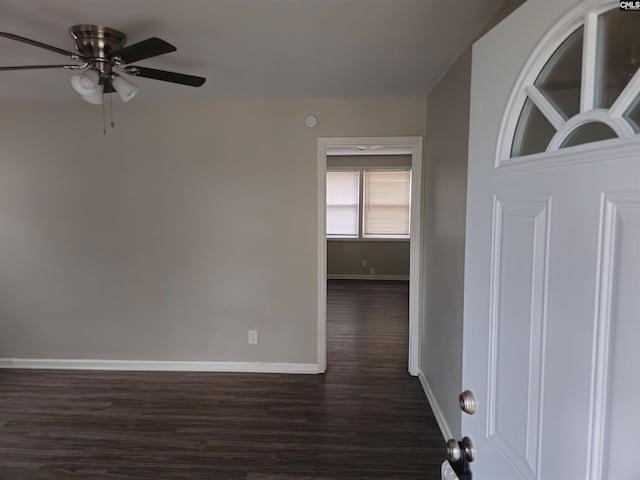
(552,280)
(560,295)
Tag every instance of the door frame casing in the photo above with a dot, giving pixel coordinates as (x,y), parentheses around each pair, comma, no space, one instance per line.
(414,144)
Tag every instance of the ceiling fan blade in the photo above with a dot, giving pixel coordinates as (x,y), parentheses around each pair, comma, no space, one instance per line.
(165,76)
(151,47)
(38,67)
(35,43)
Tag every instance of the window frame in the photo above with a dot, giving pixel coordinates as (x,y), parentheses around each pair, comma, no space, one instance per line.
(361,236)
(585,15)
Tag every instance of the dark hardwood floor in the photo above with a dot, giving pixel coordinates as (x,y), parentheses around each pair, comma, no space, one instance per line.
(365,419)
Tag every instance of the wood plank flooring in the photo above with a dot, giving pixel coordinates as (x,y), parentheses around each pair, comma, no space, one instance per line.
(365,419)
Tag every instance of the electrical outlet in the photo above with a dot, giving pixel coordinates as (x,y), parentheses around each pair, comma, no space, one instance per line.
(253,337)
(365,263)
(372,271)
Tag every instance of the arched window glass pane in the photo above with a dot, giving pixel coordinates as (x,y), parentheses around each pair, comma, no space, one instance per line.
(634,115)
(618,54)
(533,132)
(589,132)
(561,78)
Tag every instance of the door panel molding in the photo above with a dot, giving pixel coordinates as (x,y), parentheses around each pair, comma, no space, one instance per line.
(618,212)
(518,280)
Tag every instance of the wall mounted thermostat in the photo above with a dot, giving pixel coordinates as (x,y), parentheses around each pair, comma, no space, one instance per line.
(311,121)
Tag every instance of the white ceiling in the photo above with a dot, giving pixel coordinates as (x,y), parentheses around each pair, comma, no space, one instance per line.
(255,48)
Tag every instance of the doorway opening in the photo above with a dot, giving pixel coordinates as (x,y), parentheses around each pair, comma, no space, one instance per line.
(362,166)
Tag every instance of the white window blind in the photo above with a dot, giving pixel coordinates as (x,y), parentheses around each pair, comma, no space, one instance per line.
(387,200)
(343,193)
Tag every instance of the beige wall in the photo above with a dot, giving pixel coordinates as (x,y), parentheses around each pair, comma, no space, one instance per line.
(170,237)
(445,205)
(445,185)
(368,161)
(344,257)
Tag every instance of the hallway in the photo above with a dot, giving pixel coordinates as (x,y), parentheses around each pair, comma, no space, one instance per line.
(367,327)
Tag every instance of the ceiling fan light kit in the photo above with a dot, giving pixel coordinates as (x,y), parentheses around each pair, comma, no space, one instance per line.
(102,58)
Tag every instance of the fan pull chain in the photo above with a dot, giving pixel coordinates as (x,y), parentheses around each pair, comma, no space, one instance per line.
(104,122)
(113,124)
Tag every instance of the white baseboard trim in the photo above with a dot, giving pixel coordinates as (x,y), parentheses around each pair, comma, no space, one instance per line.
(437,411)
(367,277)
(159,366)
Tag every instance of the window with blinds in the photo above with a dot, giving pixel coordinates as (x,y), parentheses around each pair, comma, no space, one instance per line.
(387,203)
(369,203)
(343,200)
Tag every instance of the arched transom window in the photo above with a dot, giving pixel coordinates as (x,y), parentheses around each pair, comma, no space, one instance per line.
(587,90)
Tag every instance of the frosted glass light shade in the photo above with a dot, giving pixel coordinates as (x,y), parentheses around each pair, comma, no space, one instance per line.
(86,83)
(96,99)
(125,88)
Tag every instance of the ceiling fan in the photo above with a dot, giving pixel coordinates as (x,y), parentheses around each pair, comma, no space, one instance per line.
(102,59)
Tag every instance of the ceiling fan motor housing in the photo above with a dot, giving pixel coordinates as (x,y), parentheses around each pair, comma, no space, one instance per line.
(97,43)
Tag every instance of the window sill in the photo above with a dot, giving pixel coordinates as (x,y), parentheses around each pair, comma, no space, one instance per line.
(368,239)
